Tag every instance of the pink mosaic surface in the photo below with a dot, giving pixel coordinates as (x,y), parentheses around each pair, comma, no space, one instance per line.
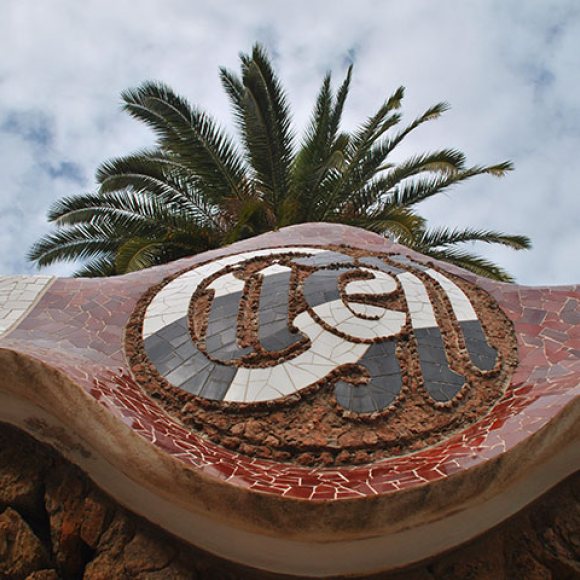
(78,328)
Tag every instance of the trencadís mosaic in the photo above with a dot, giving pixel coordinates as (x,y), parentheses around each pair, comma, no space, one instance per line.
(290,353)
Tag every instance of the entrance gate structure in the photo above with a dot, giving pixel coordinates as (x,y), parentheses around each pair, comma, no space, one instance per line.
(315,401)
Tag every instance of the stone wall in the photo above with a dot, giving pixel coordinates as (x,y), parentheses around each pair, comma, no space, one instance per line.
(55,523)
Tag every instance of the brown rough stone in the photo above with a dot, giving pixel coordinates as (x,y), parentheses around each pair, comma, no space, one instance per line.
(43,575)
(21,552)
(95,517)
(65,497)
(104,567)
(145,553)
(108,561)
(21,476)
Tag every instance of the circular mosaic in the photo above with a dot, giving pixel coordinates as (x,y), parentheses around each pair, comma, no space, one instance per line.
(321,355)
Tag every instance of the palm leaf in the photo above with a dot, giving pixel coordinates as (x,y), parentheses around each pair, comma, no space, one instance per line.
(171,184)
(360,146)
(138,212)
(341,96)
(400,224)
(266,127)
(411,193)
(312,160)
(235,91)
(471,262)
(430,114)
(191,135)
(439,237)
(78,242)
(99,267)
(138,254)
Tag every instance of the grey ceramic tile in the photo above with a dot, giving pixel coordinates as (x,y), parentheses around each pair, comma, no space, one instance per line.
(434,365)
(273,331)
(408,262)
(322,286)
(379,264)
(482,355)
(324,259)
(222,342)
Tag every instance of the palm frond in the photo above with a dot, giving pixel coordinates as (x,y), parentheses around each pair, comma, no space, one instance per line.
(171,184)
(400,224)
(430,114)
(190,135)
(440,237)
(372,159)
(99,267)
(138,212)
(442,161)
(138,254)
(341,96)
(78,242)
(267,133)
(415,191)
(252,217)
(378,123)
(312,160)
(360,146)
(470,262)
(235,90)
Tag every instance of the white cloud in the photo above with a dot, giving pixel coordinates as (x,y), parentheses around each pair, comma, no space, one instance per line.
(509,70)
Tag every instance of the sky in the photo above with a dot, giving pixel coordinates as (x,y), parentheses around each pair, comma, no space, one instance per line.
(509,69)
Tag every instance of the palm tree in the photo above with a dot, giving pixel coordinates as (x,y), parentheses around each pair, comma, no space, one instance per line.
(198,189)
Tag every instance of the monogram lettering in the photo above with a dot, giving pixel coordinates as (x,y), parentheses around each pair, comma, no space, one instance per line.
(279,321)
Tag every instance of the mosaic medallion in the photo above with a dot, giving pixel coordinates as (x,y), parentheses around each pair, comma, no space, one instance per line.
(290,353)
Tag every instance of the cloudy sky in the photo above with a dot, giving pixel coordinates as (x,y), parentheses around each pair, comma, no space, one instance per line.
(509,69)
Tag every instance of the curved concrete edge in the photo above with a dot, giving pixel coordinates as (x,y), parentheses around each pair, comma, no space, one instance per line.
(296,537)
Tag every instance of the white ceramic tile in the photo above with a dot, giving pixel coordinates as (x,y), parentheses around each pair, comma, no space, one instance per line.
(366,309)
(267,393)
(226,284)
(338,316)
(345,352)
(301,375)
(325,349)
(237,390)
(332,314)
(275,269)
(382,283)
(151,325)
(28,295)
(280,381)
(461,305)
(391,323)
(422,315)
(17,295)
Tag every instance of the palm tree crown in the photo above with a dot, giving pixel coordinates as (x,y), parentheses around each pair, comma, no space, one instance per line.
(198,189)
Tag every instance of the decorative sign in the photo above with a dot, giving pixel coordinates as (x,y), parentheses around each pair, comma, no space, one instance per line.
(270,327)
